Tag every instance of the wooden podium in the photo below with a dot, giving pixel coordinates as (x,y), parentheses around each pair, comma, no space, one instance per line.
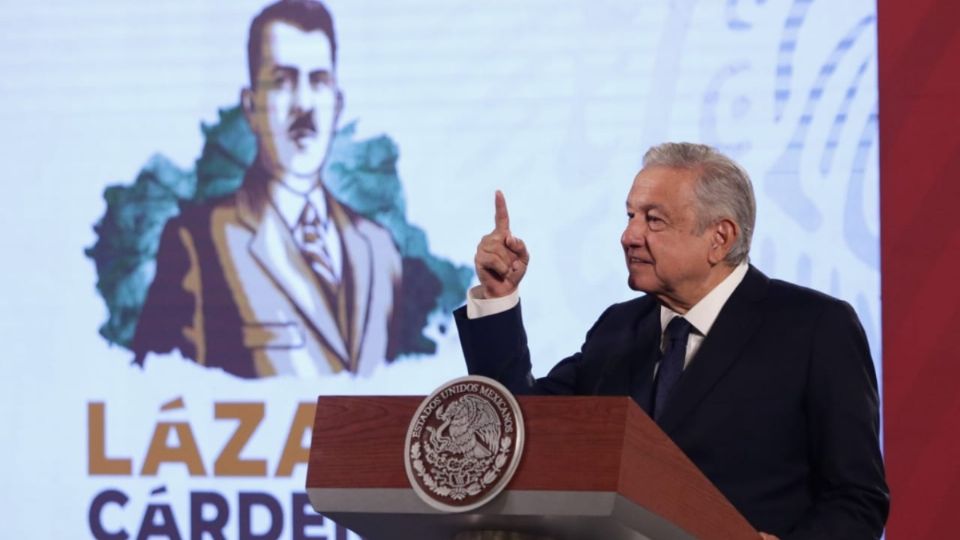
(592,467)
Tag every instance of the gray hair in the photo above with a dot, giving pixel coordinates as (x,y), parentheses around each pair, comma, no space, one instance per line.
(723,189)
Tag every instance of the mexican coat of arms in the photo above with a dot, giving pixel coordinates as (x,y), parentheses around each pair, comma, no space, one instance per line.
(464,444)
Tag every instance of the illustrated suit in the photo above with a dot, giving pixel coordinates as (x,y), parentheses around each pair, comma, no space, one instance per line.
(234,290)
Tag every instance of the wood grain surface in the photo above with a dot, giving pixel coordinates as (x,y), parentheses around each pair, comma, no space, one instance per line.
(604,444)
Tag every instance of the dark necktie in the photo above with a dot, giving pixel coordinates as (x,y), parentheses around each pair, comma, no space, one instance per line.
(671,363)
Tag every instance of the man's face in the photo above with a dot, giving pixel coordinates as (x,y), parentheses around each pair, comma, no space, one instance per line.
(665,255)
(294,104)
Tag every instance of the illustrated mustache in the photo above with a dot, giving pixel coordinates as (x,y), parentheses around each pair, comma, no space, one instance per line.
(303,122)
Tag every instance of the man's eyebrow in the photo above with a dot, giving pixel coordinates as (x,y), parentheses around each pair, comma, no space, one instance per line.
(646,207)
(284,69)
(321,72)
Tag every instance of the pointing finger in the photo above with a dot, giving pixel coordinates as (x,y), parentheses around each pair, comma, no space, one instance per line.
(501,218)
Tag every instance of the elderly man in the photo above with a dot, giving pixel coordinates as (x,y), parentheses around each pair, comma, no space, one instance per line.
(278,278)
(768,387)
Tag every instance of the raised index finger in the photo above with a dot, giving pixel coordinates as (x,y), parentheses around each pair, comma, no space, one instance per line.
(501,218)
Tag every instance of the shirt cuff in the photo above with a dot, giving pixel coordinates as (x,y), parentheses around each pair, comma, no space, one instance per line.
(477,306)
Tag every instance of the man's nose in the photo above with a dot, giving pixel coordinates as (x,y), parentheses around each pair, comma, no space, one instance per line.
(301,98)
(633,233)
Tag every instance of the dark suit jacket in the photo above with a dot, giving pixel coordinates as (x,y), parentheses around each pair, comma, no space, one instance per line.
(233,290)
(778,408)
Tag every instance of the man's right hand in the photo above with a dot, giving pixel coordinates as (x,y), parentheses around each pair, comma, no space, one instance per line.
(502,258)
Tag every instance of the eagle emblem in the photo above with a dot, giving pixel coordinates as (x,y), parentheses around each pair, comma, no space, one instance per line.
(464,443)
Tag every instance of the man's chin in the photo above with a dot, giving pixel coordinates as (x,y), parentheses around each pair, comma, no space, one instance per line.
(305,162)
(305,169)
(305,173)
(640,284)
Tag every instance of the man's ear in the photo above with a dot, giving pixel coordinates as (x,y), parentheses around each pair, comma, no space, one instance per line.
(246,102)
(723,235)
(339,105)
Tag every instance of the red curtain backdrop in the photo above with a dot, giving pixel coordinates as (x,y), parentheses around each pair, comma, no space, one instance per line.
(919,48)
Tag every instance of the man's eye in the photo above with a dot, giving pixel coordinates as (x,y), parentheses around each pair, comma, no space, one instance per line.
(630,215)
(320,79)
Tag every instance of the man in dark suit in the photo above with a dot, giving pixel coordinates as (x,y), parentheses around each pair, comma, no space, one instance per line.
(278,278)
(768,387)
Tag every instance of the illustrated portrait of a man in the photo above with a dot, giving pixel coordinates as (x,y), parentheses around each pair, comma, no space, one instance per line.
(278,278)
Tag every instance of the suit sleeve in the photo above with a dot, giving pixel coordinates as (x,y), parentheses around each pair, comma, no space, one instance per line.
(852,499)
(495,346)
(168,308)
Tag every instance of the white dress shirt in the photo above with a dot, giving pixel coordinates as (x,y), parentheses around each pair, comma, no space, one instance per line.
(704,313)
(290,204)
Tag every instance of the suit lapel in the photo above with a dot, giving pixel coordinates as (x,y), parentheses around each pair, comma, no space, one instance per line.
(358,256)
(627,367)
(273,247)
(737,322)
(645,357)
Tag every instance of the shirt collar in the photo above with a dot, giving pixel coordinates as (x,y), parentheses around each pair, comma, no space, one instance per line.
(704,313)
(290,203)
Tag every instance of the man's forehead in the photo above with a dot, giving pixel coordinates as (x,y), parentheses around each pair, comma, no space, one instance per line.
(286,44)
(659,186)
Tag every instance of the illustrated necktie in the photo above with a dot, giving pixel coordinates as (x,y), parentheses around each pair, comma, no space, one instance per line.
(312,239)
(671,363)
